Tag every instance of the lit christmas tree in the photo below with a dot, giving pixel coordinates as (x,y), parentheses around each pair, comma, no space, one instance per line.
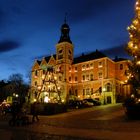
(133,50)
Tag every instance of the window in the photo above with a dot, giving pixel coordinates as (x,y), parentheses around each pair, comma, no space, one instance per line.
(87,66)
(91,90)
(91,77)
(69,78)
(83,77)
(76,79)
(36,73)
(100,64)
(60,78)
(100,75)
(91,66)
(60,56)
(121,66)
(83,67)
(87,91)
(60,51)
(69,69)
(35,83)
(75,69)
(87,77)
(70,52)
(108,87)
(83,92)
(43,72)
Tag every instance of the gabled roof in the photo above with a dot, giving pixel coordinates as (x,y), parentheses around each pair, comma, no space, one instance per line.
(87,57)
(47,58)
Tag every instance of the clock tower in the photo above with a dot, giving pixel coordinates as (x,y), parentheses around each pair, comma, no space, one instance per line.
(64,56)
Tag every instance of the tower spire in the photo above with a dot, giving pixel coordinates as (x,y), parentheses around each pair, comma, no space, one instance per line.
(65,32)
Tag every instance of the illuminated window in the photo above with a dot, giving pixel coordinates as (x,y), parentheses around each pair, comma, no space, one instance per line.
(100,64)
(108,87)
(36,73)
(87,77)
(87,91)
(83,67)
(91,66)
(69,69)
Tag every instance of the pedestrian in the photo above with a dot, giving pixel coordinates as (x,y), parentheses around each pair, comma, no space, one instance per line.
(15,109)
(34,112)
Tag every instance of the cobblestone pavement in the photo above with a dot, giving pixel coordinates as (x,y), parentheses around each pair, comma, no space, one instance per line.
(85,124)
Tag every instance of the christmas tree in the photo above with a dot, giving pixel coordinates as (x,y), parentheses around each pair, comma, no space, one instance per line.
(133,50)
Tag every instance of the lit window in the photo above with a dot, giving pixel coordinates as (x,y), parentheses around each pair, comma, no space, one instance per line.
(87,91)
(36,72)
(100,64)
(69,69)
(87,77)
(83,67)
(91,66)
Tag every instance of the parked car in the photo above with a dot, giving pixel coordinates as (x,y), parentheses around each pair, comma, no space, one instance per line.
(94,102)
(77,104)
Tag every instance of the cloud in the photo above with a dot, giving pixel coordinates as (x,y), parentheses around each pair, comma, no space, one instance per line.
(116,51)
(8,45)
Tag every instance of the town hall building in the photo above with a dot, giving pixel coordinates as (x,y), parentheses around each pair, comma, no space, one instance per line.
(64,77)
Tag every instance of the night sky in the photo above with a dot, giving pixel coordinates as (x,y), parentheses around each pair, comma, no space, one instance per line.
(30,29)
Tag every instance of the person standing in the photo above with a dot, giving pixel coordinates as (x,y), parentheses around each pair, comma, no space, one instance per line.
(34,112)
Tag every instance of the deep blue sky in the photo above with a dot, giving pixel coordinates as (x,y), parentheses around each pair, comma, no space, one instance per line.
(30,29)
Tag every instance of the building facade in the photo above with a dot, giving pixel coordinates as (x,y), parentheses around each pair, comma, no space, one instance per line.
(63,77)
